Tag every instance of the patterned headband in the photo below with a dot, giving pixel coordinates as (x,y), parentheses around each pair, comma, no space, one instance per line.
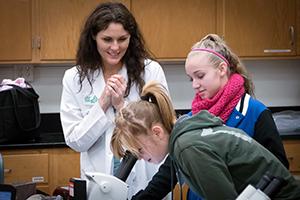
(213,52)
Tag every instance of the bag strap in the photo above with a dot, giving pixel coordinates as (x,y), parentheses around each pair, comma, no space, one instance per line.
(33,96)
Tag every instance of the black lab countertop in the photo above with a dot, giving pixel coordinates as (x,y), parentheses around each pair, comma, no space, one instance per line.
(51,134)
(45,140)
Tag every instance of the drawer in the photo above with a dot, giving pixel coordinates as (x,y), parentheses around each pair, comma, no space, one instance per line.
(292,149)
(26,167)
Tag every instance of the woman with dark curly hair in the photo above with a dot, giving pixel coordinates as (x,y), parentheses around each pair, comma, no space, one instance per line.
(112,66)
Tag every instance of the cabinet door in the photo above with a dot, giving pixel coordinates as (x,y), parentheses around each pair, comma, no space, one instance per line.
(26,167)
(293,154)
(171,27)
(260,27)
(298,28)
(49,168)
(64,164)
(15,30)
(60,23)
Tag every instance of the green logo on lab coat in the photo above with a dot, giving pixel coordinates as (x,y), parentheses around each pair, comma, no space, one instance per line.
(91,99)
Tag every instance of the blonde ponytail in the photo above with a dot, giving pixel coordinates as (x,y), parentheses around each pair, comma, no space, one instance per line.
(138,117)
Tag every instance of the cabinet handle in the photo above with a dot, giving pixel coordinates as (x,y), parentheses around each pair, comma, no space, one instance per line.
(292,33)
(290,158)
(292,42)
(277,50)
(38,42)
(33,43)
(7,171)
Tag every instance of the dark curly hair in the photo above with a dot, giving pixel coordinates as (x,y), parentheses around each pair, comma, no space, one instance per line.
(88,60)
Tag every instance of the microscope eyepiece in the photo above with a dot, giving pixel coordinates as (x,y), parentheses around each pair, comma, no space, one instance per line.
(126,166)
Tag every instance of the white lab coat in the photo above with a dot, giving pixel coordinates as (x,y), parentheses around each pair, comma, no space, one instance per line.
(87,129)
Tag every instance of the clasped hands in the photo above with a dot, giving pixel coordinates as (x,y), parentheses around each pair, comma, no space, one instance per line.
(113,94)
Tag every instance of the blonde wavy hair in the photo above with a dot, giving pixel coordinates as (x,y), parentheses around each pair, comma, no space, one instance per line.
(138,117)
(217,44)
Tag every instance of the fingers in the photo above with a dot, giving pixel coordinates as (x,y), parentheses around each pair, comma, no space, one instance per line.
(120,78)
(117,85)
(113,94)
(105,99)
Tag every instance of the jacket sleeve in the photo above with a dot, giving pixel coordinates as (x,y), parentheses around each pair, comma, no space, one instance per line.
(160,185)
(81,128)
(205,172)
(266,133)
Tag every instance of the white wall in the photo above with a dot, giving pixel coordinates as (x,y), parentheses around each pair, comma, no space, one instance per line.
(277,83)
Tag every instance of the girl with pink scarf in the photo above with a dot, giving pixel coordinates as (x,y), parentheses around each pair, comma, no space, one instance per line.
(223,87)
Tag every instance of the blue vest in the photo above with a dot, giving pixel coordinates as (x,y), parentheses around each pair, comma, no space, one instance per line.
(245,115)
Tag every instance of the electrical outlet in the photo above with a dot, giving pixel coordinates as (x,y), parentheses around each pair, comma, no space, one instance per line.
(25,71)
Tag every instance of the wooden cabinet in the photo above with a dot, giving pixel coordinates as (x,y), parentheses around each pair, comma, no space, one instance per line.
(292,149)
(42,31)
(171,27)
(298,27)
(49,168)
(15,30)
(59,24)
(47,31)
(176,192)
(254,28)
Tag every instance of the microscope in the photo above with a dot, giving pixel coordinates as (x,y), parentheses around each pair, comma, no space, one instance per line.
(103,186)
(265,189)
(108,187)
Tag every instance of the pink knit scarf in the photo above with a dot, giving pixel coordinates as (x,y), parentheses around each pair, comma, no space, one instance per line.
(223,103)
